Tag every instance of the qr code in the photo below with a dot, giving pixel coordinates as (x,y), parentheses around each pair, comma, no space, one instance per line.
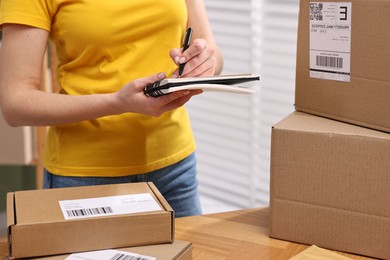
(316,11)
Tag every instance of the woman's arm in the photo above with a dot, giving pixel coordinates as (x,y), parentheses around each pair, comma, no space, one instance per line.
(203,57)
(23,103)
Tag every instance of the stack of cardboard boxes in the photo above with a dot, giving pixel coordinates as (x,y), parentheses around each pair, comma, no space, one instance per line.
(330,159)
(131,217)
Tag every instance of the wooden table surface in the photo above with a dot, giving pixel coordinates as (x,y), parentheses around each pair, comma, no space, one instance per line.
(241,234)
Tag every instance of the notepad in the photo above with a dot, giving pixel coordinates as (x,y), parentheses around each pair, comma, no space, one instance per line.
(221,83)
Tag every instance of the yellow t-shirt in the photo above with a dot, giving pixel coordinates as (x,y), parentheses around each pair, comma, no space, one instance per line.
(101,46)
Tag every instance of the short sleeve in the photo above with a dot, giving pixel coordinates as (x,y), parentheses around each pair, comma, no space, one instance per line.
(37,13)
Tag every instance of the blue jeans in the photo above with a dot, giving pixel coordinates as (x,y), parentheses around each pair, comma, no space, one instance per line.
(177,183)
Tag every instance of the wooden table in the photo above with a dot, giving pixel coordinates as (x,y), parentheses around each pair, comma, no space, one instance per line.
(241,234)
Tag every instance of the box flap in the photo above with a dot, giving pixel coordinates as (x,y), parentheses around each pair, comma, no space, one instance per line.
(10,219)
(178,250)
(175,251)
(165,204)
(10,209)
(303,122)
(186,253)
(160,197)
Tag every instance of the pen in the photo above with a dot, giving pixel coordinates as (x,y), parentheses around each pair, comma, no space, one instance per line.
(186,44)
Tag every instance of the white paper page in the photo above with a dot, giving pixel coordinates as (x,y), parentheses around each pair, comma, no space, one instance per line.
(212,87)
(108,255)
(106,206)
(330,40)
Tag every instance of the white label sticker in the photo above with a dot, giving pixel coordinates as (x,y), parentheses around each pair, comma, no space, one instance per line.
(330,40)
(106,206)
(108,255)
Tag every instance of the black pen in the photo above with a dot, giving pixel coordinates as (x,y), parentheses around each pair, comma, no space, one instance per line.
(186,44)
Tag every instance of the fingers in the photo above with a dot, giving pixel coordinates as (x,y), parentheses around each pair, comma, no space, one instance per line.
(196,48)
(131,98)
(195,67)
(140,84)
(179,101)
(166,99)
(175,53)
(172,101)
(199,59)
(160,105)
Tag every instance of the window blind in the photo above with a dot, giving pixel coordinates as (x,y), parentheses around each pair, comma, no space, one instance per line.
(233,131)
(279,37)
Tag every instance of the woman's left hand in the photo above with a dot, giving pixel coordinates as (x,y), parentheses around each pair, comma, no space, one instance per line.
(199,59)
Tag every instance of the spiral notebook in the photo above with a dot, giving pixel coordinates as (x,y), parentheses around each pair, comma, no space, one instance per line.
(222,83)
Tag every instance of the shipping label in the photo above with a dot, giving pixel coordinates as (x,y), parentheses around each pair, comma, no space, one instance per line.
(106,206)
(108,255)
(330,40)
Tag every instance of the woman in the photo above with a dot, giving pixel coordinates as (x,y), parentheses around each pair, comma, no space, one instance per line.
(103,129)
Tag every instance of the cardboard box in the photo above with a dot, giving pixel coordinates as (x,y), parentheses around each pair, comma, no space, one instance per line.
(365,99)
(178,250)
(37,225)
(330,185)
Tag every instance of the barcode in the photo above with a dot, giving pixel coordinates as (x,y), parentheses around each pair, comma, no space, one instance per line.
(316,11)
(89,212)
(331,62)
(129,257)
